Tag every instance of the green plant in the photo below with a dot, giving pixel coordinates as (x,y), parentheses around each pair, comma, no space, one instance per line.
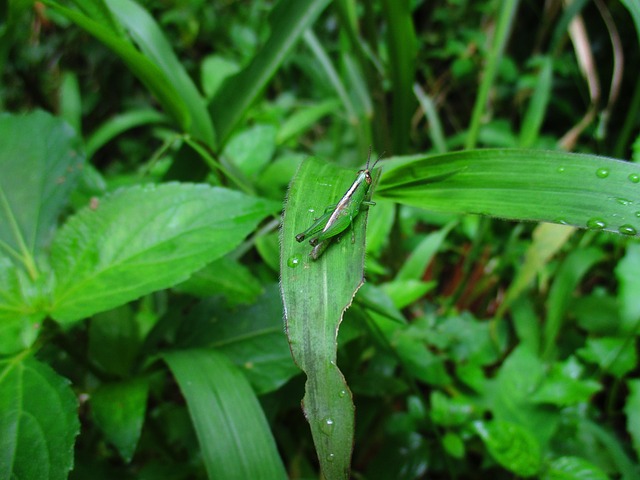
(145,252)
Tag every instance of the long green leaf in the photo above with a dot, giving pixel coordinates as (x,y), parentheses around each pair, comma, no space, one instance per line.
(151,40)
(402,45)
(288,20)
(146,71)
(315,295)
(582,190)
(234,435)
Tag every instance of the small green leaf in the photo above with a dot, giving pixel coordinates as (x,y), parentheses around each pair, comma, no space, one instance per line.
(119,410)
(512,446)
(38,421)
(234,435)
(562,386)
(251,150)
(617,356)
(142,239)
(573,468)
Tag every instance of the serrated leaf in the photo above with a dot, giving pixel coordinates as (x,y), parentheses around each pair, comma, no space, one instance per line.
(38,421)
(234,435)
(142,239)
(512,446)
(38,173)
(315,295)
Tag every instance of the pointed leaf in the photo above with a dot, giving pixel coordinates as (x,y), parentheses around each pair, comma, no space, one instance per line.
(234,435)
(38,421)
(315,295)
(582,190)
(142,239)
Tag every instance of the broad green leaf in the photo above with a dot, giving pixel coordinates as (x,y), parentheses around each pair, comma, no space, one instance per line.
(150,74)
(288,20)
(142,239)
(632,411)
(512,446)
(573,468)
(251,336)
(152,42)
(40,163)
(233,433)
(38,421)
(582,190)
(119,410)
(315,295)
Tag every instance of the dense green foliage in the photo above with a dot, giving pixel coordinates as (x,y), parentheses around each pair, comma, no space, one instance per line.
(157,160)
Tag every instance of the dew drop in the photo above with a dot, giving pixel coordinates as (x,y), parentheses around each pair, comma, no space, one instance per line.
(596,224)
(638,214)
(327,425)
(293,261)
(602,172)
(627,230)
(342,394)
(561,169)
(634,178)
(624,201)
(331,457)
(561,221)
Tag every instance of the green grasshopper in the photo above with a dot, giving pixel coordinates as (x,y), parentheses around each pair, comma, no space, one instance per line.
(337,218)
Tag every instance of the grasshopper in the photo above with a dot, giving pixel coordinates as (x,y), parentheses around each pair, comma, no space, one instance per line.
(337,218)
